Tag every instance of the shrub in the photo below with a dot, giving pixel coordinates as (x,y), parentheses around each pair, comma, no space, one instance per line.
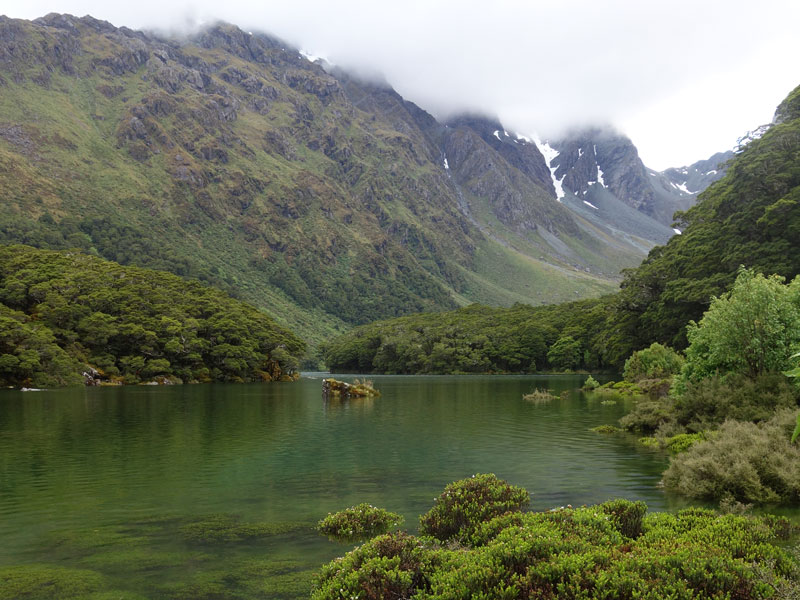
(707,403)
(612,550)
(655,362)
(606,429)
(590,384)
(465,504)
(395,565)
(359,522)
(746,462)
(648,415)
(683,441)
(539,396)
(625,515)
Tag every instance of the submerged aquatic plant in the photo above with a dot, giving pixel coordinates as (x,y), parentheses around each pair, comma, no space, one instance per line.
(539,396)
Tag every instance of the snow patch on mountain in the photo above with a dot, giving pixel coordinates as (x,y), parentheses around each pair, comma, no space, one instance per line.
(550,155)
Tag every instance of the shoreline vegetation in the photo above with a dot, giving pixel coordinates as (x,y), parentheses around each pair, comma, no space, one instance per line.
(477,542)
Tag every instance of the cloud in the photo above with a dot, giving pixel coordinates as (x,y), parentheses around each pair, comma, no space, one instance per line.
(644,67)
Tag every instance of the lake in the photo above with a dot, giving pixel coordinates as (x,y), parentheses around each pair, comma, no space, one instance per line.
(138,484)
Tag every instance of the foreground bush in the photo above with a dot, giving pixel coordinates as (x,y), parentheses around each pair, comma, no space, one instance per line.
(612,550)
(465,504)
(746,462)
(359,522)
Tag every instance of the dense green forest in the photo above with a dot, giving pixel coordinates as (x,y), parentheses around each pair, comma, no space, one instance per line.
(751,217)
(62,313)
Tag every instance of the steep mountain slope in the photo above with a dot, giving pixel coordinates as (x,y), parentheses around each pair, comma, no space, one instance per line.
(230,157)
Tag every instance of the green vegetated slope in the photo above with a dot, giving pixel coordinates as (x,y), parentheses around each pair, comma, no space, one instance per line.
(230,158)
(750,217)
(62,313)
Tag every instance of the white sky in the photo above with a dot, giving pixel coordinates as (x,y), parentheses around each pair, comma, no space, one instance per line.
(683,78)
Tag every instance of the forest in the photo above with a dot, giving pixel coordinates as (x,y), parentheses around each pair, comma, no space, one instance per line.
(65,313)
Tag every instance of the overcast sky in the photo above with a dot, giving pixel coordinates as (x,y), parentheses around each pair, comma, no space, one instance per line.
(683,79)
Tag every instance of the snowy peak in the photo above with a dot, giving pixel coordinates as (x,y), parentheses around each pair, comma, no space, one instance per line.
(602,158)
(693,179)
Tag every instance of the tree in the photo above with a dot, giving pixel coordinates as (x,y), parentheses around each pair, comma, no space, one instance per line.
(655,362)
(565,353)
(751,330)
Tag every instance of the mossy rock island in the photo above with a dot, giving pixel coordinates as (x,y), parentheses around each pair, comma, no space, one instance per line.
(332,388)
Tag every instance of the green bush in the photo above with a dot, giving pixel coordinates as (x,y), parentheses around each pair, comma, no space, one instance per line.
(359,522)
(625,515)
(612,550)
(590,384)
(707,403)
(655,362)
(465,504)
(683,441)
(750,330)
(648,415)
(747,462)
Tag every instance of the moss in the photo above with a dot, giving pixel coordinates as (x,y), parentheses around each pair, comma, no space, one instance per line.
(40,582)
(224,528)
(606,429)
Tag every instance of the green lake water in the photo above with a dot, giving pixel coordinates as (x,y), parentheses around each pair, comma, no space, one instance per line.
(110,480)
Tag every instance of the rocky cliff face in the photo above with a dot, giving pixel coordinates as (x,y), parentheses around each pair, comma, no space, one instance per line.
(587,161)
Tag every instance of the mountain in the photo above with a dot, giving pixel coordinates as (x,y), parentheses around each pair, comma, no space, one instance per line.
(326,200)
(597,172)
(750,217)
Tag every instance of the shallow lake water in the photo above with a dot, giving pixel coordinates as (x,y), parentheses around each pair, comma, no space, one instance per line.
(113,480)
